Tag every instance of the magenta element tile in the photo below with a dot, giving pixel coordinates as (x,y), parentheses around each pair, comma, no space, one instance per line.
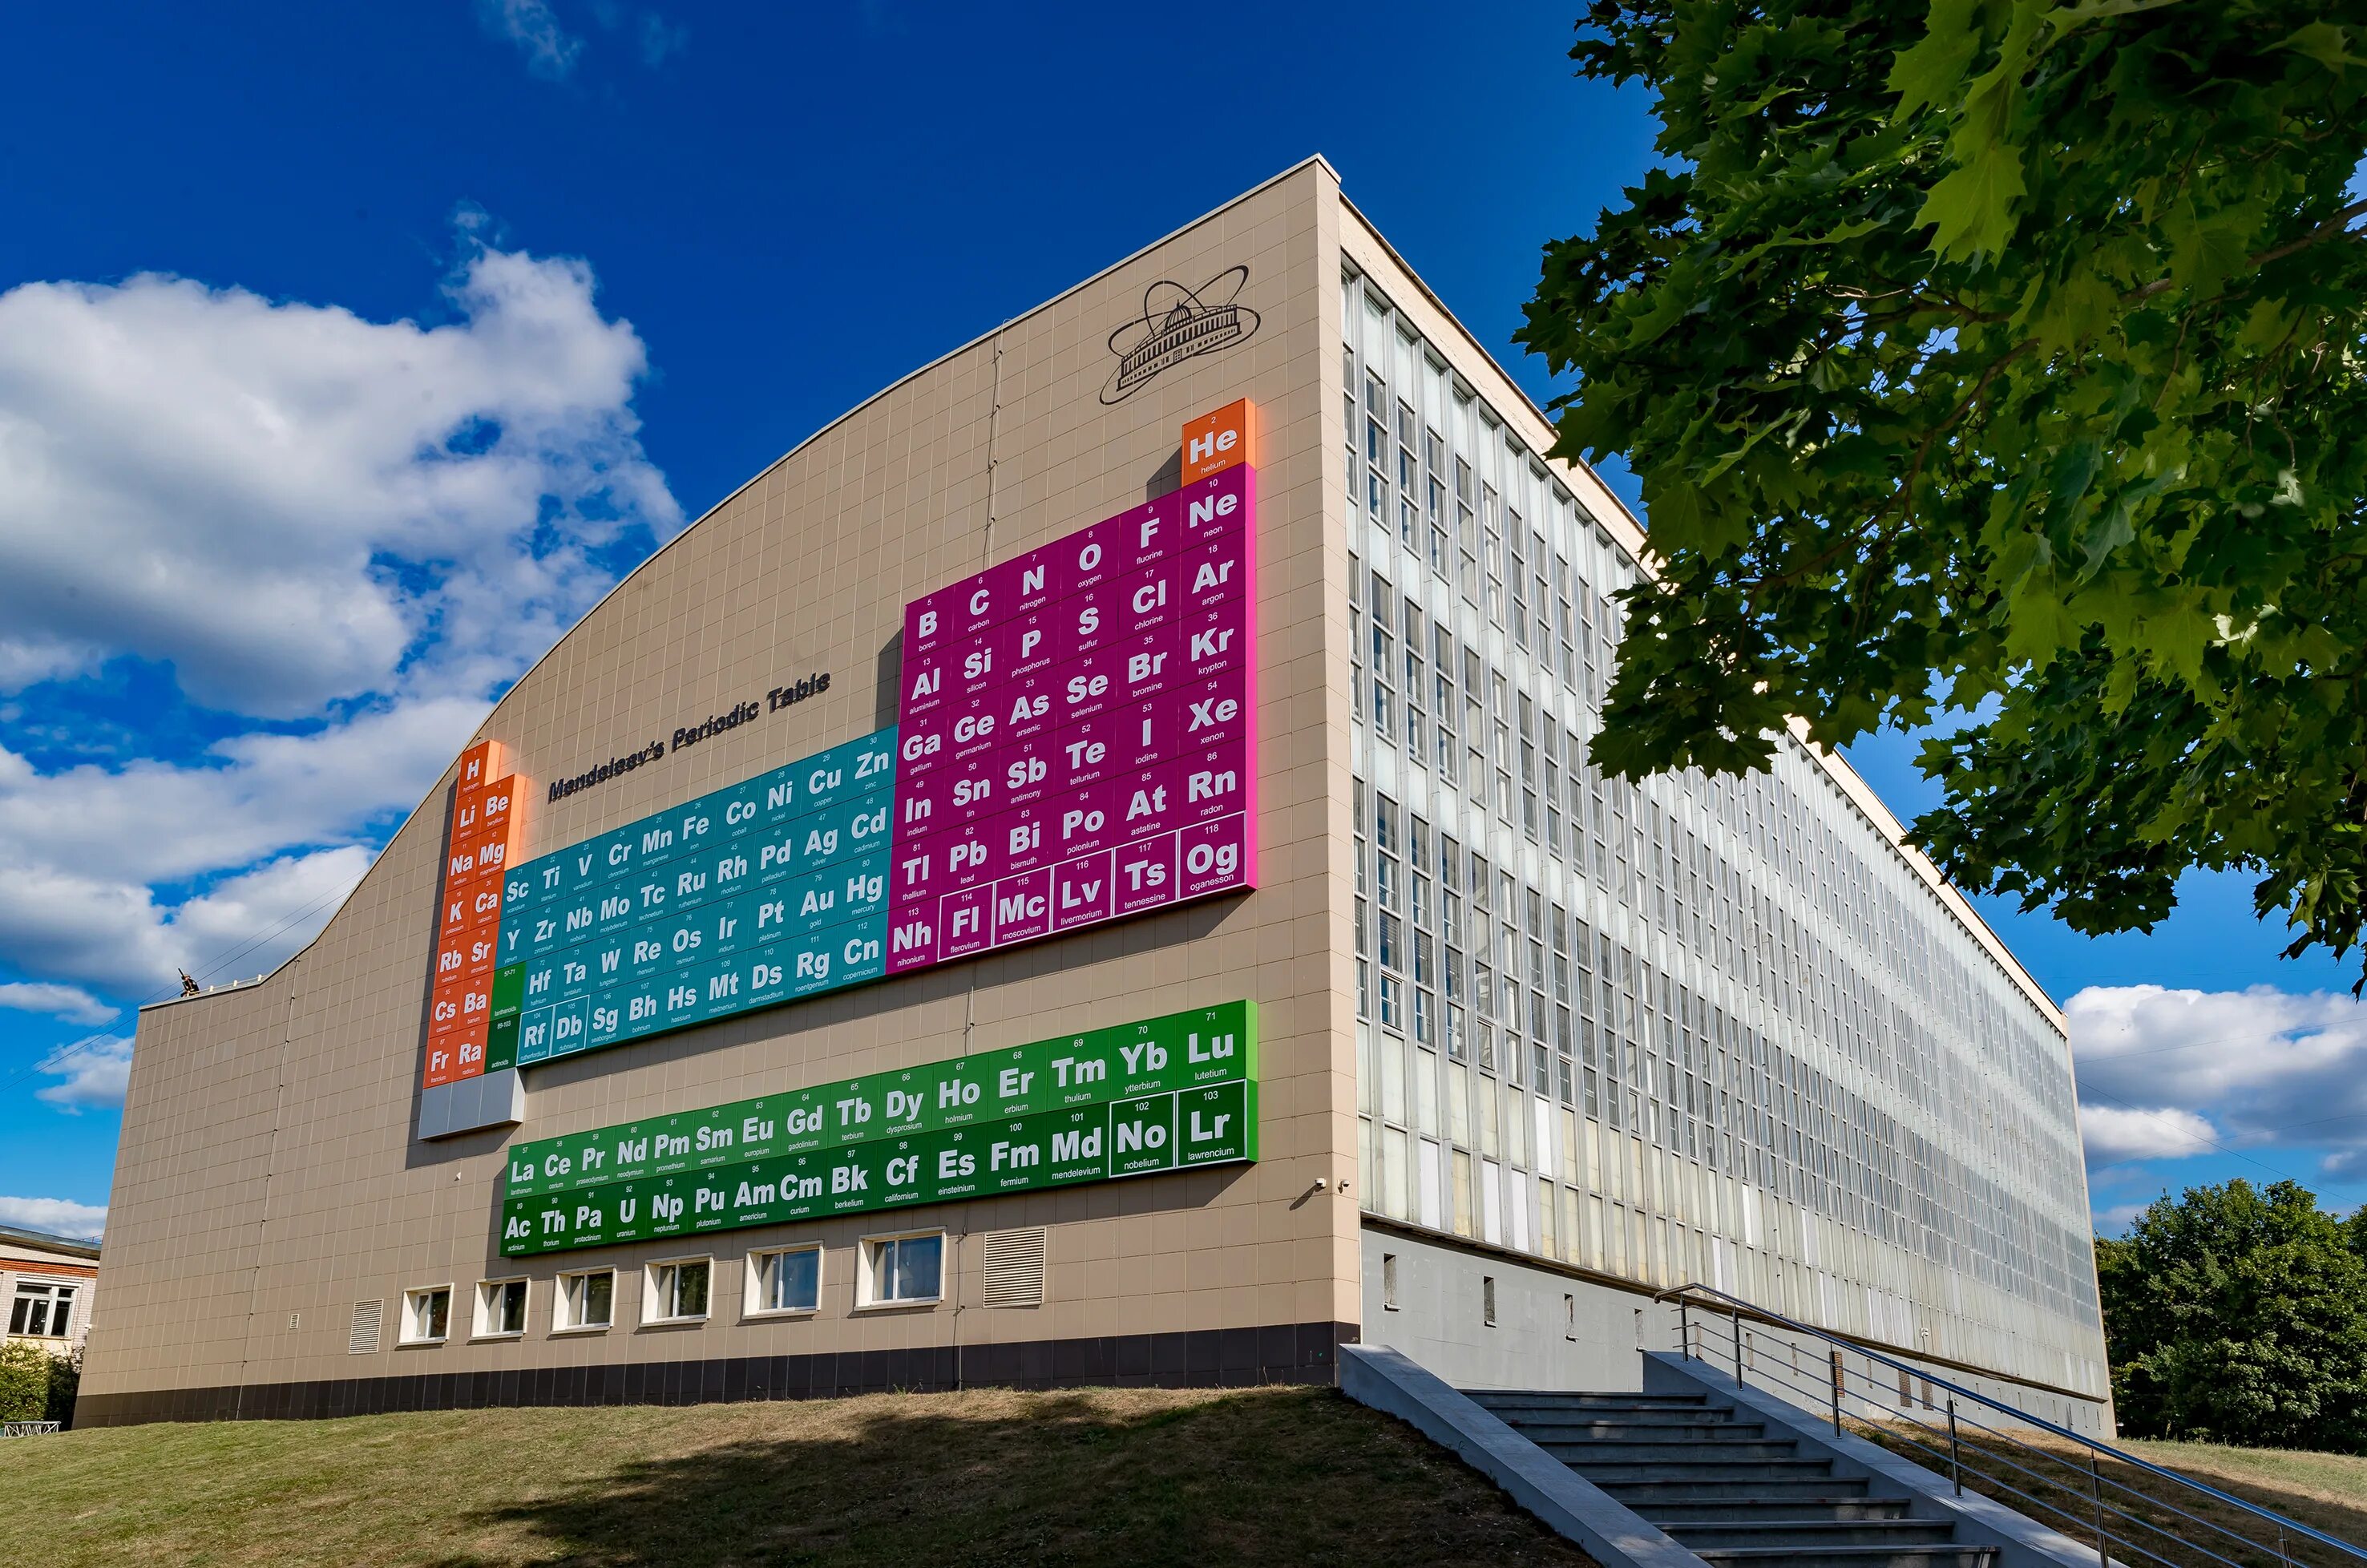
(1022,907)
(1029,837)
(1212,641)
(1145,803)
(1027,644)
(1081,891)
(972,727)
(921,743)
(1144,598)
(1215,856)
(973,666)
(1216,782)
(1208,575)
(964,922)
(1147,663)
(1083,560)
(1144,875)
(912,937)
(1221,503)
(1080,821)
(1210,713)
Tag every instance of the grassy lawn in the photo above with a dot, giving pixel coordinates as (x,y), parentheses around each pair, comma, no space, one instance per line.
(988,1478)
(2326,1492)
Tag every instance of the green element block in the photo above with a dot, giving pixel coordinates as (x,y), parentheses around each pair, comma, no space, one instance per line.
(1210,1049)
(1067,1147)
(501,1044)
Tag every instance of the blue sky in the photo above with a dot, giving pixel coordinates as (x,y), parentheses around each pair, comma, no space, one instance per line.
(349,353)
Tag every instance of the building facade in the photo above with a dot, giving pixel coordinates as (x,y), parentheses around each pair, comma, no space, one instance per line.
(50,1284)
(1088,870)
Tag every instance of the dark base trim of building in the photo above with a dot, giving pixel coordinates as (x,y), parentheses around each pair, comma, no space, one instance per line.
(1227,1357)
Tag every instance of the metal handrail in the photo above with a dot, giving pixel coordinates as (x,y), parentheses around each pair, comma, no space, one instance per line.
(1737,1306)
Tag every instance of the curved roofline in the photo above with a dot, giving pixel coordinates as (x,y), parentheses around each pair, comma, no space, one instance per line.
(1313,160)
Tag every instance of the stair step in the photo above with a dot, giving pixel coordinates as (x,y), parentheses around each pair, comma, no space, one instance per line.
(1663,1401)
(1570,1430)
(1849,1556)
(1590,1451)
(1657,1488)
(1812,1535)
(1787,1506)
(1768,1472)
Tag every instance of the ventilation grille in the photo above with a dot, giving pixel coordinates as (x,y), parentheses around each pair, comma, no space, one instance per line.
(1014,1267)
(368,1318)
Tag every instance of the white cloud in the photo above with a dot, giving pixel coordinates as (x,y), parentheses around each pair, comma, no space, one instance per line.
(58,1216)
(2249,1068)
(71,1002)
(290,504)
(549,49)
(2113,1133)
(93,1073)
(365,527)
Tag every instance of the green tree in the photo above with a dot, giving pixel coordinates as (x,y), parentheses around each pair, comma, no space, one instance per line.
(2000,370)
(2240,1317)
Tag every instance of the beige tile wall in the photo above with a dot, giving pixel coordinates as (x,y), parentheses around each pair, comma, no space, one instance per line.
(267,1178)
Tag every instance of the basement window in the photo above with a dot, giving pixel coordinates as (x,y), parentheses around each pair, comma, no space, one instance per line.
(427,1315)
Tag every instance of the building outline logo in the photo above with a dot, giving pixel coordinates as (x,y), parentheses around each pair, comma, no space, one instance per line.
(1178,323)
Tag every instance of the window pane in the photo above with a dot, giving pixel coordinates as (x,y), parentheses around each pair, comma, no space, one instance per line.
(598,1297)
(687,1297)
(793,1280)
(513,1308)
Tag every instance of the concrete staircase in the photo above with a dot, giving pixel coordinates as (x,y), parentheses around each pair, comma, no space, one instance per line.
(1724,1488)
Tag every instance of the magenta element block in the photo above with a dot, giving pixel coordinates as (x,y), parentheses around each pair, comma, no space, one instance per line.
(1029,769)
(1213,783)
(912,937)
(1209,574)
(921,743)
(1212,641)
(926,683)
(1081,891)
(1027,644)
(1210,713)
(1028,709)
(1147,663)
(1022,907)
(1083,687)
(1082,560)
(927,621)
(1223,503)
(973,664)
(1029,837)
(964,923)
(1144,534)
(1089,620)
(1082,754)
(1145,875)
(1079,821)
(1146,804)
(1145,597)
(1215,856)
(967,856)
(972,727)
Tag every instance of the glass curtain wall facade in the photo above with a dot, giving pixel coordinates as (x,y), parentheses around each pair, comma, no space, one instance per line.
(1705,1030)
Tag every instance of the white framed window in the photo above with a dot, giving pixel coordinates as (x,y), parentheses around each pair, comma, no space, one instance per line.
(584,1303)
(500,1309)
(784,1281)
(427,1315)
(677,1290)
(43,1309)
(903,1270)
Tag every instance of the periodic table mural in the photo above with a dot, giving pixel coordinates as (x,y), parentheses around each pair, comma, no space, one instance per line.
(1075,742)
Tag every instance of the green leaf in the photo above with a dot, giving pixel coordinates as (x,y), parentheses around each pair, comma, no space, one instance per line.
(1927,76)
(1971,211)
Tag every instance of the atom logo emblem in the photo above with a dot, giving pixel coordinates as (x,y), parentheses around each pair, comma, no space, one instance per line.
(1178,323)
